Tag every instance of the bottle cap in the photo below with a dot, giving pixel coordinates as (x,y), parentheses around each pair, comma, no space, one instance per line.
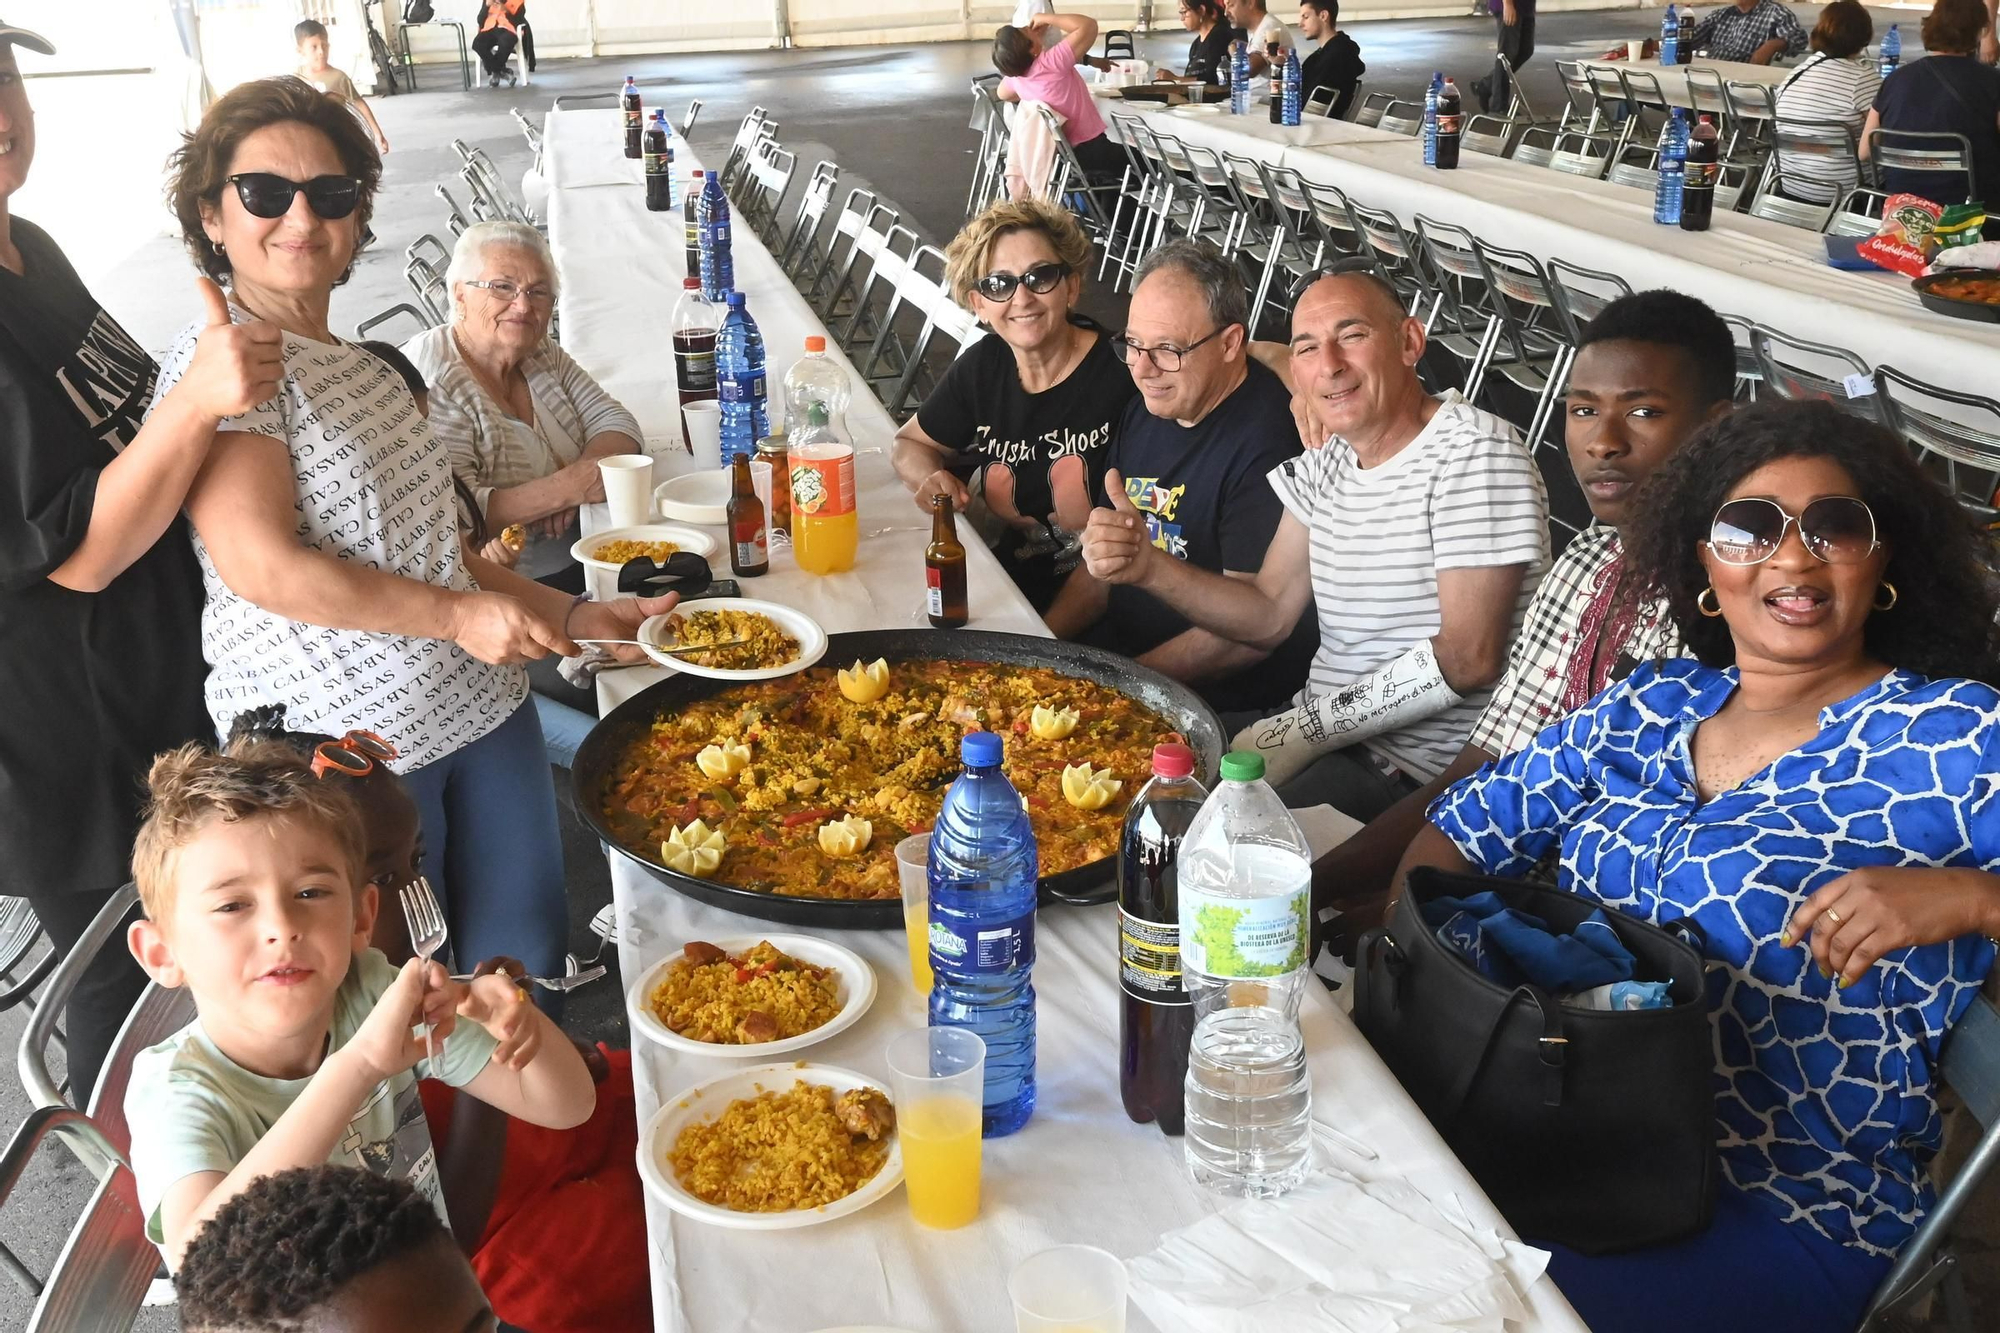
(691,283)
(695,172)
(815,343)
(1242,766)
(981,749)
(1172,761)
(736,300)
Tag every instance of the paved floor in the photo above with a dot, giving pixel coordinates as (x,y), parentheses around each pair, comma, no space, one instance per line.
(893,118)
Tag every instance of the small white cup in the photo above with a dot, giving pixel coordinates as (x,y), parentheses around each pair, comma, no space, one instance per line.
(704,423)
(628,488)
(1635,51)
(760,482)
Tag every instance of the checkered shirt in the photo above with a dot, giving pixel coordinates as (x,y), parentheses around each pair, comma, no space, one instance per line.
(1730,34)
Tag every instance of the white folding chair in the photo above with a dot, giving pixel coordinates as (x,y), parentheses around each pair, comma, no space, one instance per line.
(1794,368)
(797,255)
(1955,436)
(887,257)
(858,214)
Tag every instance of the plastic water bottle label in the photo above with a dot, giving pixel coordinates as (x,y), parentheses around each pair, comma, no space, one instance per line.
(986,949)
(1230,937)
(1149,959)
(740,389)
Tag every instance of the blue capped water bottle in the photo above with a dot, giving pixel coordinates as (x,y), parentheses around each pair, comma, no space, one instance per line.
(1673,170)
(718,273)
(1670,37)
(1239,78)
(1431,95)
(1291,116)
(739,380)
(982,925)
(1892,51)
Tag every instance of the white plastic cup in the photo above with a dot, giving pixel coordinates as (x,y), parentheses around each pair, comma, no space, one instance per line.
(1071,1287)
(913,872)
(1635,51)
(704,423)
(628,488)
(760,482)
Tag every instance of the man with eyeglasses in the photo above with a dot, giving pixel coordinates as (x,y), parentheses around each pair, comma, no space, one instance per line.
(1420,530)
(1188,463)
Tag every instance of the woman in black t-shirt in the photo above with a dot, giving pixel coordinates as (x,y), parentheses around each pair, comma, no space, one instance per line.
(1209,51)
(100,598)
(1949,91)
(1023,420)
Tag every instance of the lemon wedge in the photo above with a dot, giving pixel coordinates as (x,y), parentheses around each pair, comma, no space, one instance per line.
(847,836)
(1051,724)
(1089,789)
(723,762)
(865,684)
(695,850)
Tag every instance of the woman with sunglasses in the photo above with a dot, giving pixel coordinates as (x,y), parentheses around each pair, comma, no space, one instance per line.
(1210,47)
(327,530)
(1820,792)
(100,599)
(1024,419)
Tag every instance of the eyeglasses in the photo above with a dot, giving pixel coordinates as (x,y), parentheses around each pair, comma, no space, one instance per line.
(1166,356)
(353,755)
(267,196)
(1041,279)
(507,292)
(1837,529)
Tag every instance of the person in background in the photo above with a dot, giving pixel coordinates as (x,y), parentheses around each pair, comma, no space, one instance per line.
(1420,530)
(331,1248)
(1262,30)
(499,32)
(1034,73)
(1651,370)
(100,595)
(1838,82)
(1208,53)
(1756,31)
(310,36)
(1190,457)
(1950,92)
(1816,792)
(1336,65)
(1514,21)
(1024,419)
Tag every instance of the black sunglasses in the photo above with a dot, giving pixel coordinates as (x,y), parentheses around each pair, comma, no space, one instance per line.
(268,196)
(1041,279)
(1351,264)
(1836,529)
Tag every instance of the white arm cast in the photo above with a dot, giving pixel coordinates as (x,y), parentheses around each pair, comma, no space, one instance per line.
(1395,695)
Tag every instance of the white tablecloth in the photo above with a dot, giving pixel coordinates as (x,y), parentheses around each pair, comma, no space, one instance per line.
(1252,136)
(1080,1171)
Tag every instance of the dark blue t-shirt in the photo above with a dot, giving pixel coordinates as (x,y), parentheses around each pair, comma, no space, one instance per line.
(1945,95)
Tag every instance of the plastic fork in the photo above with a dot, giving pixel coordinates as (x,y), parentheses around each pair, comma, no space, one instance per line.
(427,936)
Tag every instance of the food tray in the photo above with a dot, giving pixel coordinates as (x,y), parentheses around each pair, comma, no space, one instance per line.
(1948,305)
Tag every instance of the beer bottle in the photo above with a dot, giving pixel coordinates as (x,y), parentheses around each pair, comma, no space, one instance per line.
(944,569)
(749,548)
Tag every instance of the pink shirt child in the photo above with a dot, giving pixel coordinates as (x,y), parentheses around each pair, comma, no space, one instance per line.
(1053,79)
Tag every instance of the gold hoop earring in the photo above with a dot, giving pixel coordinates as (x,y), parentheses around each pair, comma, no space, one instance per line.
(1889,588)
(215,246)
(1704,598)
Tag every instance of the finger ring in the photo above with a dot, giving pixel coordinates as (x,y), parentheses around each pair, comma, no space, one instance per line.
(1833,916)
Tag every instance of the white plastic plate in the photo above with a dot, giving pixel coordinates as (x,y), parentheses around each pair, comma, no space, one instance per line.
(695,497)
(812,638)
(700,543)
(855,986)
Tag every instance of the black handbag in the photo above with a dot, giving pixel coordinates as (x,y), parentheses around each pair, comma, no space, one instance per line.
(1593,1128)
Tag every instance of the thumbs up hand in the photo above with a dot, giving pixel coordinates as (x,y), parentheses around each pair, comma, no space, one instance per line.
(235,366)
(1116,546)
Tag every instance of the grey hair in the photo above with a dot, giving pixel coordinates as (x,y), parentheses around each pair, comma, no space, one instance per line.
(469,255)
(1203,264)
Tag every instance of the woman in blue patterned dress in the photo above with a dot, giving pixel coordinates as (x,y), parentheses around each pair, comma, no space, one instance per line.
(1820,791)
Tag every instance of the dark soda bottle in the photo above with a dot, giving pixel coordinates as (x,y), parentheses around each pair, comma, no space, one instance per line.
(944,569)
(692,212)
(1450,126)
(659,165)
(1698,179)
(628,101)
(749,544)
(1156,1018)
(696,322)
(1274,61)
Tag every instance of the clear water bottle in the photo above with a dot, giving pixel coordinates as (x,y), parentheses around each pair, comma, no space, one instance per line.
(1673,169)
(1670,37)
(718,273)
(982,922)
(1892,51)
(1245,911)
(1431,95)
(739,380)
(1239,78)
(816,378)
(1291,87)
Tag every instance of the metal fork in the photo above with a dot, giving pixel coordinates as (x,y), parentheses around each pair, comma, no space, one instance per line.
(427,936)
(564,984)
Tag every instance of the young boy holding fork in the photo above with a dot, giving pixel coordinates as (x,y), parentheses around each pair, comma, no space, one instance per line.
(305,1048)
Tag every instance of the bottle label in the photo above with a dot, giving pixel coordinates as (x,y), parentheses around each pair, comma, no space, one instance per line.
(740,388)
(1244,937)
(632,119)
(823,487)
(750,554)
(1701,175)
(1149,959)
(656,164)
(934,590)
(697,371)
(1449,124)
(983,949)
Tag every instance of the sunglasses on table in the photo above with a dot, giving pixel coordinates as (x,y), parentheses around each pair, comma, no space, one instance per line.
(1836,529)
(1041,279)
(268,196)
(507,292)
(1166,356)
(354,755)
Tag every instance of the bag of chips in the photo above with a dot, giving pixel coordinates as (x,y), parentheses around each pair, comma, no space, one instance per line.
(1914,230)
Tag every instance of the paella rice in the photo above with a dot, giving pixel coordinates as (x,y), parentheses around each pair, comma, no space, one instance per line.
(779,1152)
(764,644)
(619,551)
(762,994)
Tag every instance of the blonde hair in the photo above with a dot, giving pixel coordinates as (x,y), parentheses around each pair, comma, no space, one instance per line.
(971,251)
(192,787)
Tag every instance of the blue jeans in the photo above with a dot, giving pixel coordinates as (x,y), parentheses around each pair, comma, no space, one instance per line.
(563,728)
(493,850)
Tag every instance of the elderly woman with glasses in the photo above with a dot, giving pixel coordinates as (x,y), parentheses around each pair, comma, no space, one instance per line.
(1820,793)
(327,533)
(1024,419)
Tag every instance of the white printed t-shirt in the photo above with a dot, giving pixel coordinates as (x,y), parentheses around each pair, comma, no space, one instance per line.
(372,485)
(1464,494)
(193,1109)
(1270,29)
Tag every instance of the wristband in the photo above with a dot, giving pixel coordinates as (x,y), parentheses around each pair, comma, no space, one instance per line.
(574,603)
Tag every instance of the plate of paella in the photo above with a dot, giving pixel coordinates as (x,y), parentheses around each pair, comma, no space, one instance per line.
(755,640)
(785,798)
(750,996)
(608,551)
